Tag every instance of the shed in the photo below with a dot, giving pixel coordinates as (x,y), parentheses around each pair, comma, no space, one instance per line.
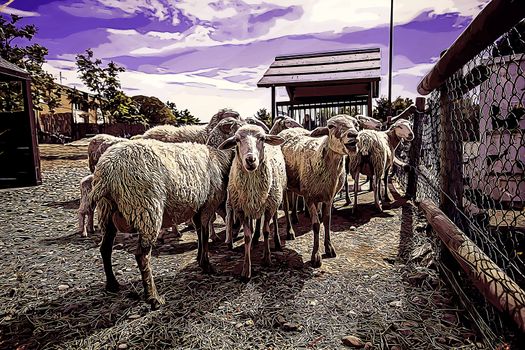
(323,84)
(19,156)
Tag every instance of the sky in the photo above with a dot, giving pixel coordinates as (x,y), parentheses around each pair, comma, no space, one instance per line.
(206,55)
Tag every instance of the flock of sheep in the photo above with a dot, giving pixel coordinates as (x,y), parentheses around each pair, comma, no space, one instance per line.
(233,167)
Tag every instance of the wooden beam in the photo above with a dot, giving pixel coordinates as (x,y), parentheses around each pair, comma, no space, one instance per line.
(273,104)
(451,159)
(496,286)
(33,139)
(369,100)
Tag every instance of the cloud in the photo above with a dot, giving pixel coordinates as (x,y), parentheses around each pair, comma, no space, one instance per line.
(21,13)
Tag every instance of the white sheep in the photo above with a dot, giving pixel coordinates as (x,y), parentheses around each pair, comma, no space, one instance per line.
(94,150)
(256,185)
(154,184)
(376,156)
(314,168)
(188,133)
(365,122)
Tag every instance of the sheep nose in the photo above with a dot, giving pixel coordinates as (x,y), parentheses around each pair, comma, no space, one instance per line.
(250,159)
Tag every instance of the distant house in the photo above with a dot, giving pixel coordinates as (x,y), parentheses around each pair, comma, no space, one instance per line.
(80,111)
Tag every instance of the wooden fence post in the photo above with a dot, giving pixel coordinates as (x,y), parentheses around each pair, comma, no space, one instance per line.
(415,149)
(451,159)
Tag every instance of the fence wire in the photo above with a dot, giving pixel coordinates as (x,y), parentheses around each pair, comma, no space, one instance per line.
(472,156)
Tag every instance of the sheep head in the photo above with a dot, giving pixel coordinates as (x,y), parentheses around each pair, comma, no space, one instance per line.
(249,141)
(225,129)
(220,115)
(368,122)
(282,123)
(342,132)
(403,129)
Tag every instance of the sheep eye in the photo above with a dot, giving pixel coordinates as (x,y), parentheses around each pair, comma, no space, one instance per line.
(331,126)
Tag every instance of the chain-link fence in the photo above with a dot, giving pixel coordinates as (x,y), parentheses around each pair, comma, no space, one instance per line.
(470,160)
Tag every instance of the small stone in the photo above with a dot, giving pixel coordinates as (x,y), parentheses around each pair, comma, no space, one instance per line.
(63,287)
(119,272)
(353,341)
(249,322)
(353,228)
(313,302)
(118,246)
(290,326)
(238,325)
(122,346)
(397,303)
(39,271)
(133,316)
(368,345)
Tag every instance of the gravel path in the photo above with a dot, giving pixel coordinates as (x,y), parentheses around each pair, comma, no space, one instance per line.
(52,284)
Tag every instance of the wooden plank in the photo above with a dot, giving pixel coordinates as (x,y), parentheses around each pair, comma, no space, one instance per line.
(330,90)
(309,78)
(325,68)
(496,286)
(326,59)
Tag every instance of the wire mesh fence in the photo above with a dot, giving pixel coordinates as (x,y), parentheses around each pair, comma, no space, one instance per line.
(471,161)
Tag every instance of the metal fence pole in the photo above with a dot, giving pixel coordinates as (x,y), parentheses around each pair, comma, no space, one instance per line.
(415,148)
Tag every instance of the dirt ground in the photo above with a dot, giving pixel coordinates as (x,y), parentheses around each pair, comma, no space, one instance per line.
(381,288)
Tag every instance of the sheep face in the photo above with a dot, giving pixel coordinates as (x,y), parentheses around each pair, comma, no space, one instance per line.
(403,129)
(342,133)
(249,141)
(368,122)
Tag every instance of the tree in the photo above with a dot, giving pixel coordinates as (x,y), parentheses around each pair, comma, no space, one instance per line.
(44,90)
(182,117)
(105,86)
(381,111)
(263,115)
(154,110)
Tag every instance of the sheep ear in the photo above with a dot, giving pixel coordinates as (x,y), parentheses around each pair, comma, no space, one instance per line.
(319,131)
(273,140)
(228,143)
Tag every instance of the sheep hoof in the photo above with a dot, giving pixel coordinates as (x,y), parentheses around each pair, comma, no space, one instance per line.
(295,219)
(290,236)
(245,277)
(208,268)
(156,302)
(348,202)
(330,251)
(316,260)
(112,287)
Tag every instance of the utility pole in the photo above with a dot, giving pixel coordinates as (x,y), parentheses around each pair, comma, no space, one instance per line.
(390,58)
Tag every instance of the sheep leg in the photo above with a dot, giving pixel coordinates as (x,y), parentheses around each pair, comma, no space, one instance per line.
(276,237)
(81,224)
(143,257)
(204,234)
(90,218)
(377,192)
(356,188)
(385,180)
(229,227)
(246,273)
(327,219)
(294,199)
(106,249)
(316,256)
(257,232)
(347,190)
(369,179)
(267,259)
(290,234)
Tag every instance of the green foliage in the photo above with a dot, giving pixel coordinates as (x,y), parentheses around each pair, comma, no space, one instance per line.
(44,90)
(182,117)
(263,115)
(381,111)
(154,110)
(106,88)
